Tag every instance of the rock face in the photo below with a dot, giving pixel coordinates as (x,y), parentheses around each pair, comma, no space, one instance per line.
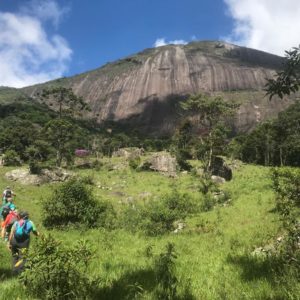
(143,90)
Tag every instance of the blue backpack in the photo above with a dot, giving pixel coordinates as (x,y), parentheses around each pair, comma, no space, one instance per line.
(22,230)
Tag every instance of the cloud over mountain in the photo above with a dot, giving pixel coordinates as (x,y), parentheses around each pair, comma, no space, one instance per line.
(28,54)
(272,26)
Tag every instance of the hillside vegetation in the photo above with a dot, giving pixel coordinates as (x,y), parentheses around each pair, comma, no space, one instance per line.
(119,230)
(214,251)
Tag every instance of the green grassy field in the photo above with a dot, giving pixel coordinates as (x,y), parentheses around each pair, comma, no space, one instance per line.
(214,258)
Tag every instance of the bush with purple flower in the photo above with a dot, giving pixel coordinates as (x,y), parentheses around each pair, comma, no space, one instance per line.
(82,152)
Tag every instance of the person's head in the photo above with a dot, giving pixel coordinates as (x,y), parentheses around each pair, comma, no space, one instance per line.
(24,215)
(9,199)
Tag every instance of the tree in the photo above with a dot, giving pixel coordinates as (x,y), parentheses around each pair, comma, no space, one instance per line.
(17,135)
(210,114)
(60,134)
(274,142)
(66,100)
(181,144)
(288,80)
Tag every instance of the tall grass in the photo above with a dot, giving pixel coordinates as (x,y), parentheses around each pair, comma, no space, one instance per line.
(214,259)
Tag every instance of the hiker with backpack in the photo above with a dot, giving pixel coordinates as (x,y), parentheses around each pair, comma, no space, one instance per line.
(7,193)
(19,240)
(9,204)
(5,209)
(8,221)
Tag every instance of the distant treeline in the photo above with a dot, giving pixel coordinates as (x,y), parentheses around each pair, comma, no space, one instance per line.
(272,143)
(26,134)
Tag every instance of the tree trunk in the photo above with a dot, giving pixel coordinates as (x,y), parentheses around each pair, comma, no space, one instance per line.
(210,153)
(58,154)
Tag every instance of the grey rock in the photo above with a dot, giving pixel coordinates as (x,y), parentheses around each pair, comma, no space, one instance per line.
(179,226)
(23,176)
(129,153)
(162,162)
(218,179)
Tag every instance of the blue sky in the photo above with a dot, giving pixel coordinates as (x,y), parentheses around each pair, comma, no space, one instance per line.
(42,40)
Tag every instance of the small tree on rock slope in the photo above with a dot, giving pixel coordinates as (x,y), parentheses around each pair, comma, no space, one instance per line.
(210,114)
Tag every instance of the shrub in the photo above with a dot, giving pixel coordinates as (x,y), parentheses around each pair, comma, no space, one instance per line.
(286,184)
(81,152)
(208,202)
(160,216)
(96,164)
(11,158)
(53,271)
(158,219)
(207,185)
(104,213)
(145,166)
(165,274)
(134,163)
(34,167)
(88,179)
(132,218)
(182,203)
(73,203)
(181,158)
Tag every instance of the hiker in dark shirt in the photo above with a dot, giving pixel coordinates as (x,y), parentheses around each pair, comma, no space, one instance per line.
(7,193)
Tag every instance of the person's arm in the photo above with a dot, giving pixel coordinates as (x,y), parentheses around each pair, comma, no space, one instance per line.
(34,231)
(2,232)
(3,228)
(12,232)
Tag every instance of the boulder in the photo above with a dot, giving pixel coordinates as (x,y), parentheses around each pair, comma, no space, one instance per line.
(162,162)
(217,179)
(221,169)
(179,226)
(23,176)
(129,153)
(56,174)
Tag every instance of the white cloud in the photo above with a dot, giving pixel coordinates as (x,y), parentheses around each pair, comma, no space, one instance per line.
(28,55)
(47,10)
(162,42)
(272,26)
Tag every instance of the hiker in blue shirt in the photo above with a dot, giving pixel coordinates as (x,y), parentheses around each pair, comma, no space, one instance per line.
(10,204)
(19,240)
